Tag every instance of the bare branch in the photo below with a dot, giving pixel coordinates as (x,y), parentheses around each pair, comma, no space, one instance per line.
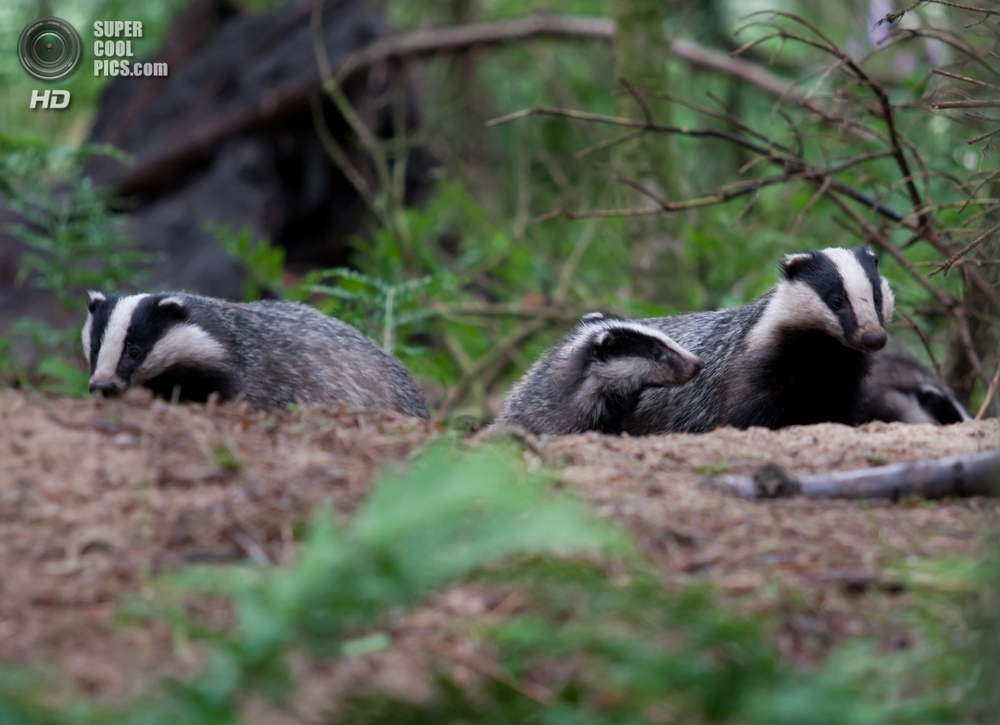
(944,105)
(339,158)
(945,266)
(877,237)
(965,79)
(991,391)
(971,8)
(970,475)
(924,341)
(638,99)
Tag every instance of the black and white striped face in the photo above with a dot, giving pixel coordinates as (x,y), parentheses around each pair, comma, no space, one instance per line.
(836,291)
(129,340)
(633,352)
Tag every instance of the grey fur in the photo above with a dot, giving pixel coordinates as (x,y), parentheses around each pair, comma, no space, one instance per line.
(592,379)
(269,354)
(794,356)
(899,388)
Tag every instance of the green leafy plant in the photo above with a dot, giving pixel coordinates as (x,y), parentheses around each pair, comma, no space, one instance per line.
(388,312)
(72,236)
(72,240)
(262,261)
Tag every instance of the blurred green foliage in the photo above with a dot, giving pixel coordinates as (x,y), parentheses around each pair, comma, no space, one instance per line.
(70,240)
(618,646)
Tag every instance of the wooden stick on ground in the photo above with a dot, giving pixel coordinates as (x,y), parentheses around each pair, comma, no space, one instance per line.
(971,475)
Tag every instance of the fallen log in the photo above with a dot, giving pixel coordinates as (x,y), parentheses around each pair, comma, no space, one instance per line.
(970,475)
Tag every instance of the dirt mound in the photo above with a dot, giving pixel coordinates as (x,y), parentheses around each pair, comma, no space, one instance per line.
(97,498)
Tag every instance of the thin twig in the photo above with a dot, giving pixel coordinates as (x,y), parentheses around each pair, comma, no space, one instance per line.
(339,158)
(608,143)
(991,391)
(877,237)
(791,163)
(495,356)
(486,666)
(646,113)
(924,341)
(820,192)
(947,265)
(333,89)
(945,105)
(971,8)
(493,309)
(573,260)
(965,79)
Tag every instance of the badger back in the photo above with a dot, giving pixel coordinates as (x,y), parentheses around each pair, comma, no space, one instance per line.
(300,355)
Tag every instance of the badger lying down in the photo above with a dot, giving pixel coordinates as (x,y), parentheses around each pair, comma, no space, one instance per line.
(592,380)
(899,388)
(269,354)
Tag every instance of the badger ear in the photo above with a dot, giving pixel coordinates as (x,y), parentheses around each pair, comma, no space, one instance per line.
(95,298)
(174,308)
(592,317)
(870,253)
(791,265)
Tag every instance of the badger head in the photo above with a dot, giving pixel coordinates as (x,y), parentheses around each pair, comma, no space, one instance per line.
(836,291)
(899,388)
(131,339)
(632,355)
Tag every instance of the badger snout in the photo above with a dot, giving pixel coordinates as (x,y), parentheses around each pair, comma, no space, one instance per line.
(868,339)
(872,341)
(106,388)
(692,367)
(683,367)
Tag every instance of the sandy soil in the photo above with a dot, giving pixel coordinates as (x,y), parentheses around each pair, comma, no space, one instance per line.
(97,498)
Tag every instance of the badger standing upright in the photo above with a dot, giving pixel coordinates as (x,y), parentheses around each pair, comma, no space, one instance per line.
(798,354)
(593,378)
(267,353)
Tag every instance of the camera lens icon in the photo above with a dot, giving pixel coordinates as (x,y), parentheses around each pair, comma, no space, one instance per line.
(49,48)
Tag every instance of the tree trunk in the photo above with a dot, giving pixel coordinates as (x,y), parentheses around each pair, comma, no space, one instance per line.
(641,50)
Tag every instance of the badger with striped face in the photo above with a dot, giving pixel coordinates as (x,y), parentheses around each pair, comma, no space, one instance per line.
(269,354)
(593,378)
(799,354)
(899,388)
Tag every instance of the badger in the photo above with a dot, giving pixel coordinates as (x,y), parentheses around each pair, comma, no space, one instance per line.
(899,388)
(798,354)
(268,353)
(592,379)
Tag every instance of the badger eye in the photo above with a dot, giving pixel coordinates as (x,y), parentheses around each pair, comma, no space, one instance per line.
(837,303)
(134,352)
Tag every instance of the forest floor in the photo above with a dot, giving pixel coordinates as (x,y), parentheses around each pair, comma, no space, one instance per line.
(97,498)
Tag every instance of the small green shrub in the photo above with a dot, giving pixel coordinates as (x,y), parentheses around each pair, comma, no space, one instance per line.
(73,241)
